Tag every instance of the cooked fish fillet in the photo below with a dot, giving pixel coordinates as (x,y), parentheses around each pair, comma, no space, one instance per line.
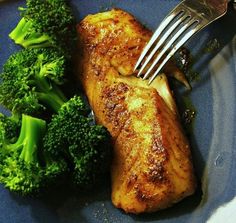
(152,166)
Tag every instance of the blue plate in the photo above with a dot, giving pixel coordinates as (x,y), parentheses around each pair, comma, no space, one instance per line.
(213,137)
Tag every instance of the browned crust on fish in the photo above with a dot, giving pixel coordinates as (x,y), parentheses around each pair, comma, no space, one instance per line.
(152,166)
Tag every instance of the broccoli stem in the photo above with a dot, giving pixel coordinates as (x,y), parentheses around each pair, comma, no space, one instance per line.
(25,35)
(31,134)
(50,94)
(52,100)
(15,117)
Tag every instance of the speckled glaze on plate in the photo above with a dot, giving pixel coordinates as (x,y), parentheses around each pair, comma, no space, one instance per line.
(213,138)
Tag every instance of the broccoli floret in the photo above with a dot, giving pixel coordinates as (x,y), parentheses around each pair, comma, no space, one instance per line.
(46,23)
(25,167)
(9,128)
(30,81)
(9,131)
(72,134)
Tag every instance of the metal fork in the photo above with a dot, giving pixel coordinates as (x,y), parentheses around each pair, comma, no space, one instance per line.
(186,19)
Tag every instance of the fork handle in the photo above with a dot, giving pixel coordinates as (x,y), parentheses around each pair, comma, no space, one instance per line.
(219,5)
(206,6)
(234,4)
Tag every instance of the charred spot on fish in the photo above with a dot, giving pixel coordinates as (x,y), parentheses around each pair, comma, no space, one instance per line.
(115,92)
(157,146)
(157,141)
(122,88)
(156,173)
(132,179)
(110,105)
(142,196)
(115,106)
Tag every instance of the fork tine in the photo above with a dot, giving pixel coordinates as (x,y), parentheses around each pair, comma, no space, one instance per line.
(162,40)
(188,23)
(156,34)
(181,42)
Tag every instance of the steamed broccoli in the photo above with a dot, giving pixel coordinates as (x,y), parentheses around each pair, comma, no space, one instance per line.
(25,168)
(29,81)
(46,23)
(33,155)
(72,134)
(9,128)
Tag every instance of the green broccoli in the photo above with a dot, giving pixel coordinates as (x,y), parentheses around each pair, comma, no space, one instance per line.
(46,23)
(34,155)
(25,168)
(72,134)
(9,128)
(30,80)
